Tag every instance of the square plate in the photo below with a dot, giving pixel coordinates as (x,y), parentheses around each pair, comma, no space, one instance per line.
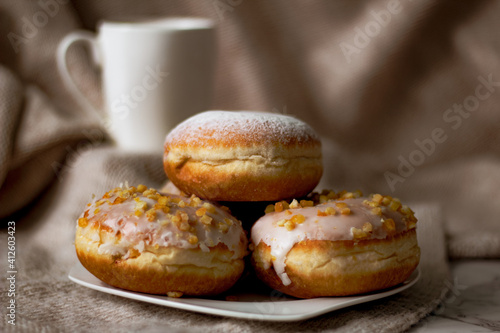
(259,304)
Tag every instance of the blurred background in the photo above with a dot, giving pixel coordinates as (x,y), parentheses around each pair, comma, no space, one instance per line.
(405,95)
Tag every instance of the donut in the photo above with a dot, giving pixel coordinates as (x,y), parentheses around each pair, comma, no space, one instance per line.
(138,239)
(243,156)
(335,244)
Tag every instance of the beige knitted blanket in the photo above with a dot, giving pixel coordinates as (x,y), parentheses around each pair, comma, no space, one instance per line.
(408,108)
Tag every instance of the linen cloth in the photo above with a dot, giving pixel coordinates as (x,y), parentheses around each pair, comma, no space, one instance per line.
(404,94)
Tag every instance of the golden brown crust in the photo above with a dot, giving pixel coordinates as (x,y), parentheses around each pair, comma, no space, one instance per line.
(245,180)
(339,268)
(163,270)
(263,157)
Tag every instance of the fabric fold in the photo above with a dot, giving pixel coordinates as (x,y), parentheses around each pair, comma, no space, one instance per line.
(50,300)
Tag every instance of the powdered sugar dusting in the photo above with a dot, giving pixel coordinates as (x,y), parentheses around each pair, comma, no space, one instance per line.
(248,126)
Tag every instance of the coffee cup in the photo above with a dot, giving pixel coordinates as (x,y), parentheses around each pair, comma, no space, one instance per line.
(155,74)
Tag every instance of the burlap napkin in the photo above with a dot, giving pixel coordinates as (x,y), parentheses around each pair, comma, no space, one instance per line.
(374,98)
(370,108)
(48,301)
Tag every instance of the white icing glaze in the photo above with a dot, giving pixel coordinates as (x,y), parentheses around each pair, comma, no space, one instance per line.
(252,125)
(137,232)
(332,227)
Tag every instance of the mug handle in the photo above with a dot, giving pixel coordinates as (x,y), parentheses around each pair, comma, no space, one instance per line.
(77,36)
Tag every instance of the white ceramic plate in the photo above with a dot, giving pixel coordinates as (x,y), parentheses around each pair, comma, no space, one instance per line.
(264,304)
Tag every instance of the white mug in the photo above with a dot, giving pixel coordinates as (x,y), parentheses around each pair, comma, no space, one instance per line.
(155,74)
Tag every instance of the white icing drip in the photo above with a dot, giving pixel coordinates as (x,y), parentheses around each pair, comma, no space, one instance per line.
(333,227)
(120,219)
(112,249)
(140,246)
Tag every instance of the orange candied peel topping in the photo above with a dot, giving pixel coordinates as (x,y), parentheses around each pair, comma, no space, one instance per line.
(328,211)
(389,225)
(290,224)
(205,219)
(83,222)
(162,211)
(312,200)
(359,233)
(192,239)
(362,233)
(367,227)
(377,201)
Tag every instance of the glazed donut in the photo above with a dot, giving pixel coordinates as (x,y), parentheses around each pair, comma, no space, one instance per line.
(140,240)
(335,245)
(243,156)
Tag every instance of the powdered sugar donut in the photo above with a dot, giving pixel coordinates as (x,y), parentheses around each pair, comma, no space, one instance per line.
(335,245)
(141,240)
(243,156)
